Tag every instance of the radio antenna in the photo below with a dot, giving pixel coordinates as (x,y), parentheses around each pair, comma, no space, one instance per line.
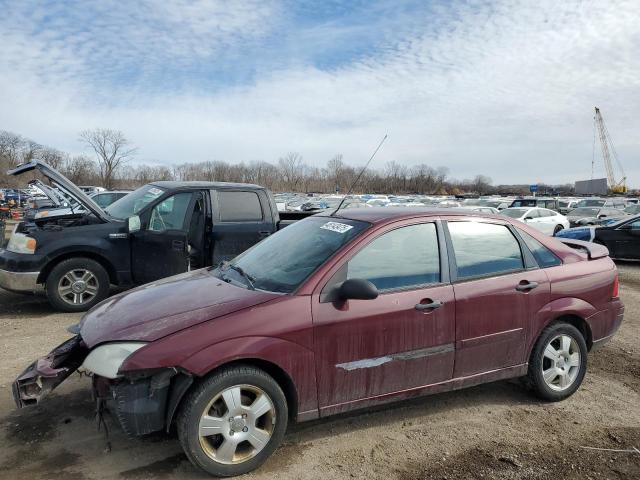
(358,177)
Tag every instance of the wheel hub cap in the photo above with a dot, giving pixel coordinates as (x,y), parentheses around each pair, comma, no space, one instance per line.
(78,287)
(238,424)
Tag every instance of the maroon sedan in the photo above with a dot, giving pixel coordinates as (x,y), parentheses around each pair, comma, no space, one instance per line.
(336,313)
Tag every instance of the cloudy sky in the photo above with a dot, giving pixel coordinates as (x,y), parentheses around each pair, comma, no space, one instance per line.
(503,88)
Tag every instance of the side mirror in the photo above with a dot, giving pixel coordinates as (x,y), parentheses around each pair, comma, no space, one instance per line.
(133,224)
(357,289)
(602,216)
(526,219)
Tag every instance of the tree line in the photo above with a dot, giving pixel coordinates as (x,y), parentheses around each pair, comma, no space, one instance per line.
(111,164)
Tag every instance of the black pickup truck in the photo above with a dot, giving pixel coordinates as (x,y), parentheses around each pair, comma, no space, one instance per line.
(159,230)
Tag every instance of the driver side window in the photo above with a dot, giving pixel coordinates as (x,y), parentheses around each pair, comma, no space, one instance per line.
(170,214)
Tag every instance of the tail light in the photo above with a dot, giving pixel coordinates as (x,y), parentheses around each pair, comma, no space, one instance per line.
(616,287)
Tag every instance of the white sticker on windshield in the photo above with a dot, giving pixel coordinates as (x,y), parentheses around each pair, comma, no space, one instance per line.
(337,227)
(155,191)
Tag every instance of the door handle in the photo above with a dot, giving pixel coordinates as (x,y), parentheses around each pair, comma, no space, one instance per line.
(177,245)
(432,305)
(526,286)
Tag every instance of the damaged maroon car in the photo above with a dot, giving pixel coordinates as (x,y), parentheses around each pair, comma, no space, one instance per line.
(334,313)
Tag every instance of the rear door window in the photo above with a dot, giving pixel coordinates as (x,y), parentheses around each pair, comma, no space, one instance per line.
(239,206)
(402,258)
(484,249)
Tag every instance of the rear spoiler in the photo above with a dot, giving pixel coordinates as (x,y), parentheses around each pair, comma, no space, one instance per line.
(593,250)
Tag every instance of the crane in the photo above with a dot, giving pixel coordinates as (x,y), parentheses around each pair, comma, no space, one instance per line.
(608,151)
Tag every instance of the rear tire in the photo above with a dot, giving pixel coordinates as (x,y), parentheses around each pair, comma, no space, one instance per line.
(77,284)
(232,421)
(557,229)
(558,362)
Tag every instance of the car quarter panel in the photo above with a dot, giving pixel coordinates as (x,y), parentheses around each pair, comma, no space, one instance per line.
(584,289)
(280,333)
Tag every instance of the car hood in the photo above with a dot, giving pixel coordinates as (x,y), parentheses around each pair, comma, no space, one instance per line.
(63,182)
(164,307)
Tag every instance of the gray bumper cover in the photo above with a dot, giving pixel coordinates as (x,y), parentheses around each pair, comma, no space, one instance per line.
(20,281)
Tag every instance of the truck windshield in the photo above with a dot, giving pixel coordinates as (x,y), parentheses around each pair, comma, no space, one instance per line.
(281,262)
(131,204)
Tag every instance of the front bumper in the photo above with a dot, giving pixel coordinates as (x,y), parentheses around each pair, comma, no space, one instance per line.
(143,402)
(46,373)
(20,281)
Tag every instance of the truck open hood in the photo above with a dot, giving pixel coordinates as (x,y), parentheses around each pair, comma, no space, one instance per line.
(164,307)
(55,176)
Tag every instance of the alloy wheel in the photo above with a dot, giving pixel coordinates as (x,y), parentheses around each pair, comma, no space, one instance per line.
(237,424)
(561,362)
(78,286)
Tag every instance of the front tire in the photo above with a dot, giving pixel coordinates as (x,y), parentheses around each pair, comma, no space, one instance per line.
(558,362)
(77,284)
(232,421)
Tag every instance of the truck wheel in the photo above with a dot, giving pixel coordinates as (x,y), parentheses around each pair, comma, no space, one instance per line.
(77,284)
(558,362)
(233,421)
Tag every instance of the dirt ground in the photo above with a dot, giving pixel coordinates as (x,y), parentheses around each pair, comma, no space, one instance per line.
(495,431)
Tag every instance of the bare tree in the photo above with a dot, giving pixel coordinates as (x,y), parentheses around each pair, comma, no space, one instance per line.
(482,184)
(52,157)
(80,169)
(112,150)
(290,168)
(335,167)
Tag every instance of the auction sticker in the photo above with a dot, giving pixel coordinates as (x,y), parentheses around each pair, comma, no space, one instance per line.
(337,227)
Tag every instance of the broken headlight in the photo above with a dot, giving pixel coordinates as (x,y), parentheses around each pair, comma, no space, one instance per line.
(107,359)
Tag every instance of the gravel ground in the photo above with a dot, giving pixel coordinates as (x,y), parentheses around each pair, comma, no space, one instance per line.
(494,431)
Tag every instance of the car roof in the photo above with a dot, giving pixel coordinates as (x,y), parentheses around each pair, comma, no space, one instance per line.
(384,214)
(534,198)
(172,184)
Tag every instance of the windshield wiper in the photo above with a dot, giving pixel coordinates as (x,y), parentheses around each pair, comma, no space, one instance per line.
(244,274)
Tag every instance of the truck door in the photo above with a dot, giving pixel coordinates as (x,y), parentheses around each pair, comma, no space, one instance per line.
(241,219)
(160,248)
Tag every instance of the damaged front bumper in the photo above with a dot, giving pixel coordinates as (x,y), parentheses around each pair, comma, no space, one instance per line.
(46,373)
(142,401)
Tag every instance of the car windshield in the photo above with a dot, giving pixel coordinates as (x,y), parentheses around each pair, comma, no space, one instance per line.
(132,203)
(281,262)
(584,212)
(524,203)
(590,203)
(514,212)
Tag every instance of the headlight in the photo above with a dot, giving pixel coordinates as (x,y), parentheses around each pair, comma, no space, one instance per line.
(106,360)
(21,243)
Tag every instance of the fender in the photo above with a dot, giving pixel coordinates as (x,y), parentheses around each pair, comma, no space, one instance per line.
(558,308)
(78,251)
(298,363)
